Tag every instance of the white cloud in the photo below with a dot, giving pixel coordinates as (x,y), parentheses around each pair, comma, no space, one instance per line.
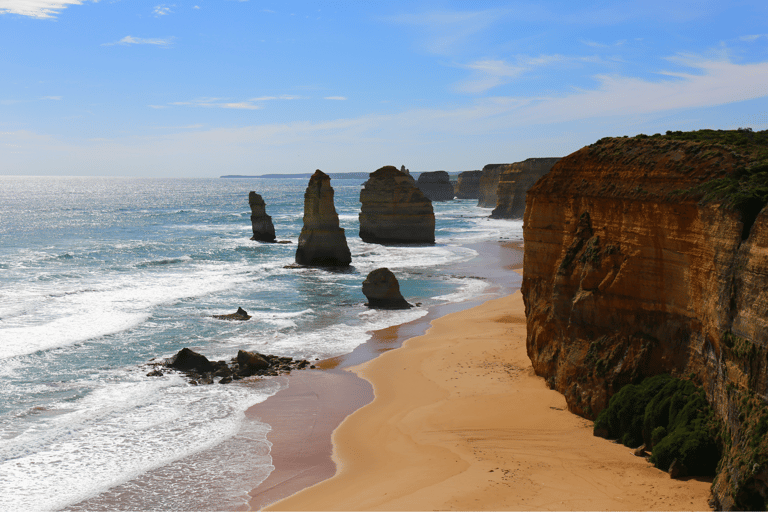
(241,105)
(163,10)
(752,38)
(128,40)
(218,103)
(340,98)
(55,98)
(489,73)
(36,8)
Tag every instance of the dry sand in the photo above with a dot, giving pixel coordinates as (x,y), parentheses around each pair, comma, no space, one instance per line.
(460,421)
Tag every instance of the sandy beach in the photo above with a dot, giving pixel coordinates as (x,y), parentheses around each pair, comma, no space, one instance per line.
(460,421)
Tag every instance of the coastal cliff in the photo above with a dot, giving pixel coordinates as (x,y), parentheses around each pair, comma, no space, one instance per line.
(394,210)
(435,185)
(468,185)
(514,181)
(649,255)
(489,182)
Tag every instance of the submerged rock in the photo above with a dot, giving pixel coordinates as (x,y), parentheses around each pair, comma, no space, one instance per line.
(240,314)
(322,242)
(394,210)
(436,185)
(263,229)
(383,291)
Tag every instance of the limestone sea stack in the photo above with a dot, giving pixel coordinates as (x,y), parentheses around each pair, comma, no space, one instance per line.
(263,229)
(436,185)
(383,291)
(394,210)
(514,182)
(468,185)
(322,242)
(489,182)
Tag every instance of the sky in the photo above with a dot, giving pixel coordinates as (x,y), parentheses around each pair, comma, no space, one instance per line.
(212,87)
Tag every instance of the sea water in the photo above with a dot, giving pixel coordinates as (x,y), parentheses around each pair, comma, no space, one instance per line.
(100,276)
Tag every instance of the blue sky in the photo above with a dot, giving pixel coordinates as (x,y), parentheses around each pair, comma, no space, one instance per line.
(212,87)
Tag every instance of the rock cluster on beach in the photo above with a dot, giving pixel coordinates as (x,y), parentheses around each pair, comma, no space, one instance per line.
(649,255)
(394,210)
(263,229)
(200,370)
(514,182)
(383,291)
(436,185)
(468,185)
(322,242)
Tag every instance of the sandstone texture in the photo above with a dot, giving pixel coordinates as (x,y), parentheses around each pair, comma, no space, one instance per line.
(489,183)
(322,242)
(383,291)
(436,185)
(394,211)
(649,255)
(514,182)
(263,229)
(468,185)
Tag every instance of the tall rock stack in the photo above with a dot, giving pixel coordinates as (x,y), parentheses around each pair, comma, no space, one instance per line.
(394,210)
(263,229)
(322,242)
(514,182)
(436,185)
(468,185)
(489,182)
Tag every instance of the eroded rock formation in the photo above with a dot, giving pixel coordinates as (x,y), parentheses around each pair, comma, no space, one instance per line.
(393,210)
(383,291)
(489,182)
(436,185)
(642,257)
(263,229)
(514,182)
(468,185)
(322,242)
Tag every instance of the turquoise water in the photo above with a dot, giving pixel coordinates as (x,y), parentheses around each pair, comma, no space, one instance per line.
(100,275)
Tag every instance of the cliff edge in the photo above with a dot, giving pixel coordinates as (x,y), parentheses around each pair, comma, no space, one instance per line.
(649,255)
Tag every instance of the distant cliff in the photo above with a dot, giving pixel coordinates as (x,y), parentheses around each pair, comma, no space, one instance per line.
(649,255)
(435,185)
(489,182)
(514,182)
(468,185)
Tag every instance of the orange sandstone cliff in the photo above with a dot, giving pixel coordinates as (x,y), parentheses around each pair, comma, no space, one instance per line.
(649,255)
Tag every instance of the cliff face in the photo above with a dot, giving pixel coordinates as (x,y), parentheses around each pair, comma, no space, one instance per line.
(468,185)
(489,182)
(436,185)
(514,182)
(322,241)
(394,210)
(263,229)
(628,273)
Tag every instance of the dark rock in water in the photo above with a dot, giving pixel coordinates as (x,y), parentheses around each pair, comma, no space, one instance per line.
(155,373)
(468,185)
(436,185)
(225,380)
(240,314)
(189,360)
(383,291)
(394,210)
(322,242)
(263,229)
(252,361)
(677,469)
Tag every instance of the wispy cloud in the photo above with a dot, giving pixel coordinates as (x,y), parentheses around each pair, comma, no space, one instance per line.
(129,40)
(218,103)
(163,10)
(490,73)
(55,98)
(36,8)
(340,98)
(752,38)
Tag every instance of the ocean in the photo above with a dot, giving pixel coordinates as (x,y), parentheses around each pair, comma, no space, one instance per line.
(101,276)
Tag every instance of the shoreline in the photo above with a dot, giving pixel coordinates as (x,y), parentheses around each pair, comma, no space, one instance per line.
(304,415)
(461,421)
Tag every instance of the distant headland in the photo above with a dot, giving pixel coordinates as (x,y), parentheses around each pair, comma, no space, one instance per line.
(306,175)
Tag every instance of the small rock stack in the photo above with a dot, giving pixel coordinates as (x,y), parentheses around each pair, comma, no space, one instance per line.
(263,229)
(383,291)
(436,185)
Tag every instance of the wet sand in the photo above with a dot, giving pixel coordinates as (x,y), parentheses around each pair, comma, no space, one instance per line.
(460,421)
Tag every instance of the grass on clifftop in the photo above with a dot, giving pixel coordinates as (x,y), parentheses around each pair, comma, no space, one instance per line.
(671,416)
